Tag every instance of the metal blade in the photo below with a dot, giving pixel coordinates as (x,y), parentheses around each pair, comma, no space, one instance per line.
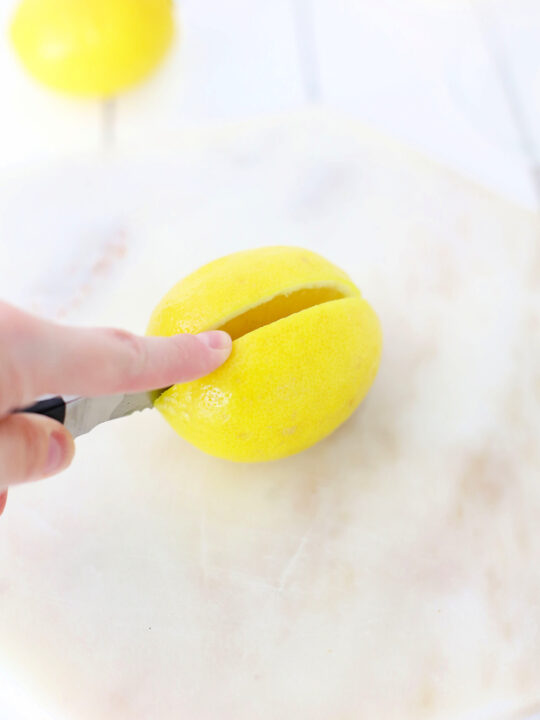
(83,414)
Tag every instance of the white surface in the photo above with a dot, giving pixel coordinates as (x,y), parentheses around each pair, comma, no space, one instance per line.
(459,79)
(150,579)
(513,37)
(422,71)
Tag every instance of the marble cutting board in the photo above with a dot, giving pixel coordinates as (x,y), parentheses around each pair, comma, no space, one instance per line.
(389,572)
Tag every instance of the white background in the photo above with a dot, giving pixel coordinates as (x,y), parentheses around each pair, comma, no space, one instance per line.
(458,79)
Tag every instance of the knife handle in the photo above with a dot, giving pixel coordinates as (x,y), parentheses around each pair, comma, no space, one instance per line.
(53,407)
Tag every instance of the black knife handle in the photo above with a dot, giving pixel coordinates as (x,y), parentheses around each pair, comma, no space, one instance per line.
(53,407)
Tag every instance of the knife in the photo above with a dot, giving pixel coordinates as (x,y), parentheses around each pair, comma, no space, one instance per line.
(80,414)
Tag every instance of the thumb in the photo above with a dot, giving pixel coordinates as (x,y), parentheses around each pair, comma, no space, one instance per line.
(32,447)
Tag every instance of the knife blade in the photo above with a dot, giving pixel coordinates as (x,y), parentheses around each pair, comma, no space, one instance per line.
(81,414)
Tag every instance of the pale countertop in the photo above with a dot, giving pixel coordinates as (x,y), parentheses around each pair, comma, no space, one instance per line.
(458,80)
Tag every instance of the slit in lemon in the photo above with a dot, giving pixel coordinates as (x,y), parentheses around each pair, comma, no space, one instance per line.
(279,307)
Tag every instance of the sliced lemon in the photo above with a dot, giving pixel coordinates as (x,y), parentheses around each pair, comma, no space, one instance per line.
(306,350)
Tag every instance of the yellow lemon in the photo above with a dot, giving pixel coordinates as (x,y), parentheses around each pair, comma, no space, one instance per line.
(306,350)
(91,47)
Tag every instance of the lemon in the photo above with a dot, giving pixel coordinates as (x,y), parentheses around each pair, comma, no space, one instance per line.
(91,47)
(306,349)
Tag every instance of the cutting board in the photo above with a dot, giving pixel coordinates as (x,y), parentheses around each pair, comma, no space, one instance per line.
(392,570)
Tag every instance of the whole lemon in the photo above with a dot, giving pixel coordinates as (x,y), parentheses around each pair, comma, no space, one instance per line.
(91,47)
(306,349)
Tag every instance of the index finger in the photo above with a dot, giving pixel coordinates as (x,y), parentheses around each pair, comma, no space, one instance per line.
(38,357)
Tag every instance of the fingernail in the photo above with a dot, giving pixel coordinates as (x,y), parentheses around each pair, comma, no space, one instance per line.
(216,339)
(56,453)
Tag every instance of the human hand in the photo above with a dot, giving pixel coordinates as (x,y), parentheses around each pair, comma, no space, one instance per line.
(38,357)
